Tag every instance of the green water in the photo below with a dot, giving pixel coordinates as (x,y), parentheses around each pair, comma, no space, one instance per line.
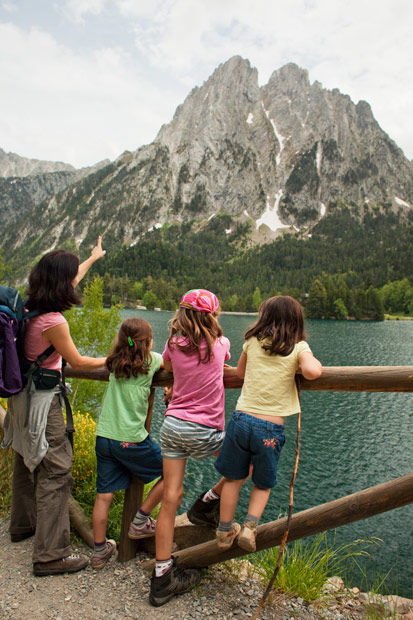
(349,441)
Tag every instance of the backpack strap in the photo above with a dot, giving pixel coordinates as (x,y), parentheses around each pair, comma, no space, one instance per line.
(43,356)
(70,427)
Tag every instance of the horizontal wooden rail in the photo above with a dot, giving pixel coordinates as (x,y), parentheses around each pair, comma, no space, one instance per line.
(348,509)
(333,378)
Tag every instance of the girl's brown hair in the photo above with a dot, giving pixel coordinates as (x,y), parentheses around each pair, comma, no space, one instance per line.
(195,327)
(280,325)
(131,354)
(51,282)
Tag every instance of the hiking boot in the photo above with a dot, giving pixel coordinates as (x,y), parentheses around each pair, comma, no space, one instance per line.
(71,564)
(142,531)
(99,560)
(175,581)
(22,535)
(225,539)
(248,536)
(204,513)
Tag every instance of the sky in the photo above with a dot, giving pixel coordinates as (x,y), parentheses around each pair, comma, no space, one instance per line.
(85,80)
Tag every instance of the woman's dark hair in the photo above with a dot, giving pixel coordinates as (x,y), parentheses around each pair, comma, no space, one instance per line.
(195,327)
(131,354)
(280,324)
(51,282)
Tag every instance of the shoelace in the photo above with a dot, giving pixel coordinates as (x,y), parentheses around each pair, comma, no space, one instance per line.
(183,575)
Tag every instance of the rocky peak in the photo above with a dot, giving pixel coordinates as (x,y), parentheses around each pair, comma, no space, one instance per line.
(12,165)
(275,156)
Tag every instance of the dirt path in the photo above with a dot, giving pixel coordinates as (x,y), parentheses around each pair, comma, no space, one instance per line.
(120,592)
(117,592)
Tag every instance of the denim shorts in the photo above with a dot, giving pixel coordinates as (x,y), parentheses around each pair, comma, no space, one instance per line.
(117,461)
(251,440)
(182,438)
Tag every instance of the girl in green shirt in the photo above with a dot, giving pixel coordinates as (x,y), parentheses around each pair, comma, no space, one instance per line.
(123,445)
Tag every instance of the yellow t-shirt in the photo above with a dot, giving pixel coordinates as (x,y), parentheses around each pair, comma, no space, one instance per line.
(269,386)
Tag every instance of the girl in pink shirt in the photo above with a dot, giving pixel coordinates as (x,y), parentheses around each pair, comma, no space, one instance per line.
(196,352)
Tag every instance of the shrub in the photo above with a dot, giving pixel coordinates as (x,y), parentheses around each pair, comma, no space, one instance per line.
(6,469)
(83,471)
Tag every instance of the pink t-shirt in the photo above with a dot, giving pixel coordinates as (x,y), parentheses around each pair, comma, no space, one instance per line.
(35,343)
(198,390)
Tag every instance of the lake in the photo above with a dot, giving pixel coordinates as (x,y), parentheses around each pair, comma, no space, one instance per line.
(349,441)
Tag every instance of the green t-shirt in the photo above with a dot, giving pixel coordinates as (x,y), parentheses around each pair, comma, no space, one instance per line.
(125,406)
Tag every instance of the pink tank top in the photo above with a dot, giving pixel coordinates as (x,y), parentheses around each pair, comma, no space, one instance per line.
(35,343)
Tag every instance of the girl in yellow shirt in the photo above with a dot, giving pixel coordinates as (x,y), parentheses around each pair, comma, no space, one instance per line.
(274,351)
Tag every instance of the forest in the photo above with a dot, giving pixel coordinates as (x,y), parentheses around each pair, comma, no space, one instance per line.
(355,263)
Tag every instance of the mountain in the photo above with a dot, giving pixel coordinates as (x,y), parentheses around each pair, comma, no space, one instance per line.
(25,183)
(275,157)
(12,165)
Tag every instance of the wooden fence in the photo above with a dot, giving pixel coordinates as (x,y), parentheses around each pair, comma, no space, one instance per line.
(195,542)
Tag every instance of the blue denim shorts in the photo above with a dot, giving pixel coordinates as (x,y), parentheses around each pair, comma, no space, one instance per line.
(251,440)
(117,461)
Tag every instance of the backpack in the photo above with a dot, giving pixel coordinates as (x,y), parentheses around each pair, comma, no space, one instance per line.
(15,369)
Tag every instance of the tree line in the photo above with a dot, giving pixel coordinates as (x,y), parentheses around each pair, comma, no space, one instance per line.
(356,263)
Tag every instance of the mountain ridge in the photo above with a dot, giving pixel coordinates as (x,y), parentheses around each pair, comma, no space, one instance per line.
(275,156)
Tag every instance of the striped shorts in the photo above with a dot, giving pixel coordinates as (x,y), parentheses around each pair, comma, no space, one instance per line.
(181,439)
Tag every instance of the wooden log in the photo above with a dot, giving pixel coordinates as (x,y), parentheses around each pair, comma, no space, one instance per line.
(186,535)
(355,507)
(333,378)
(80,522)
(133,501)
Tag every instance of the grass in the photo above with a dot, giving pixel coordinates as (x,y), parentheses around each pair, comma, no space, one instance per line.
(307,565)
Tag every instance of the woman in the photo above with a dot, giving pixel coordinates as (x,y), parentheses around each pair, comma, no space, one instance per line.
(35,425)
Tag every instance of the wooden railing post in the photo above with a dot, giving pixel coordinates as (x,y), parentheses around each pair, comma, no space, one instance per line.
(133,501)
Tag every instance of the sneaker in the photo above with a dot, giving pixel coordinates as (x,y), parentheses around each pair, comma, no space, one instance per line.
(71,564)
(248,536)
(99,560)
(225,539)
(175,581)
(204,513)
(142,531)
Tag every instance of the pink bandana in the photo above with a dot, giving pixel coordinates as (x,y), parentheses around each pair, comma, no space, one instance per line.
(199,299)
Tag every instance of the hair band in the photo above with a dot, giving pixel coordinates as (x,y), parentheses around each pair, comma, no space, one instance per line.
(130,341)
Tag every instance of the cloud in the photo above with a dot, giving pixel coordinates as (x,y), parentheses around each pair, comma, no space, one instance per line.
(72,106)
(362,48)
(127,64)
(9,7)
(75,10)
